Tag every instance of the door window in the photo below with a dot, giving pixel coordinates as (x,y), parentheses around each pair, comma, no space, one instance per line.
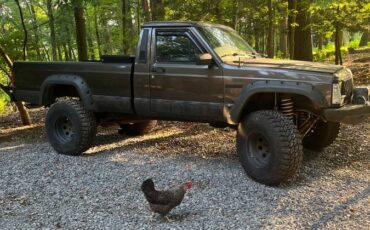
(175,48)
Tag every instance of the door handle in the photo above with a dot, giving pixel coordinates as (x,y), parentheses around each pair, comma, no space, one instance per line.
(158,69)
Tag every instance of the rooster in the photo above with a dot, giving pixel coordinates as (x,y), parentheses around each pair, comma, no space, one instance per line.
(163,202)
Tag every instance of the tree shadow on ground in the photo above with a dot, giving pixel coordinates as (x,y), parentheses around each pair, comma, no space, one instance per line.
(28,133)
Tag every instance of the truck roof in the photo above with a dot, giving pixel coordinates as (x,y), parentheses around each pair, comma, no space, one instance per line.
(179,24)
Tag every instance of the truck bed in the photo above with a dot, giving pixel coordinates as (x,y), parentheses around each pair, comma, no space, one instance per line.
(108,80)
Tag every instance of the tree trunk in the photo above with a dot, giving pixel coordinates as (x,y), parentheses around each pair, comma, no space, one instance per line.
(157,9)
(25,117)
(341,38)
(91,47)
(302,35)
(73,53)
(218,12)
(53,41)
(365,38)
(60,55)
(146,12)
(270,35)
(320,41)
(80,31)
(66,52)
(138,19)
(107,40)
(125,10)
(24,30)
(46,53)
(338,53)
(69,45)
(235,15)
(257,39)
(97,34)
(283,38)
(292,6)
(263,39)
(35,29)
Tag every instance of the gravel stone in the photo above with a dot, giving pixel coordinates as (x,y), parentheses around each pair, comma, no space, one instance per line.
(101,189)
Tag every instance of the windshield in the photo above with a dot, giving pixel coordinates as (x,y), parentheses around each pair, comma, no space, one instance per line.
(228,45)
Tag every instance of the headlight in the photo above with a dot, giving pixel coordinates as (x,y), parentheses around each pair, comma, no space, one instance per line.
(337,98)
(343,74)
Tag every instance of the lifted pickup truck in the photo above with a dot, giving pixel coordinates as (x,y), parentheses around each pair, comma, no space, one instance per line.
(199,72)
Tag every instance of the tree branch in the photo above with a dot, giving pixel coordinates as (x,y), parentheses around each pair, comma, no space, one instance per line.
(6,58)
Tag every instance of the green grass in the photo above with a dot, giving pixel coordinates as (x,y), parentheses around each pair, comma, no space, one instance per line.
(328,51)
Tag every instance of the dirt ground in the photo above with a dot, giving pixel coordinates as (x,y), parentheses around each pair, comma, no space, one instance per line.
(360,67)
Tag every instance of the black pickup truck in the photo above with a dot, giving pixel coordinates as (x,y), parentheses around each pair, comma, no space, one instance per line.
(199,72)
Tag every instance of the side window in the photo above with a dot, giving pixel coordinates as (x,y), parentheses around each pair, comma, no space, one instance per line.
(175,48)
(143,46)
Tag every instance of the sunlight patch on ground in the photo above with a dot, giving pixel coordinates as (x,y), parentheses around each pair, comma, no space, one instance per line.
(134,140)
(21,128)
(11,147)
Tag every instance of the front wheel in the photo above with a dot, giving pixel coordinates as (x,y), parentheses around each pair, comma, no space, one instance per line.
(269,147)
(70,128)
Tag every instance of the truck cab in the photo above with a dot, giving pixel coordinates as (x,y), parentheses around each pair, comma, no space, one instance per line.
(180,84)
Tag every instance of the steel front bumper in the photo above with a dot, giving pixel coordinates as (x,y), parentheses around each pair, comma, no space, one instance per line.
(349,114)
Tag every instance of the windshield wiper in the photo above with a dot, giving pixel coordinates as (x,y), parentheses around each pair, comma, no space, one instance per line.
(233,54)
(253,55)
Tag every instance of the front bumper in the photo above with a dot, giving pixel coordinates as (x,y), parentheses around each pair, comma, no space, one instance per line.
(349,114)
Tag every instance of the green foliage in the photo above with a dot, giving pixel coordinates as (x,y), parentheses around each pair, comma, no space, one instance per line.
(354,44)
(113,25)
(4,99)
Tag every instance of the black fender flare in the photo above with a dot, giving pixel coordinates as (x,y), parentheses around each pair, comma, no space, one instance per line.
(272,86)
(66,79)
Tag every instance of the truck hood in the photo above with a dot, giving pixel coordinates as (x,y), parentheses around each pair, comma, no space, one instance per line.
(292,65)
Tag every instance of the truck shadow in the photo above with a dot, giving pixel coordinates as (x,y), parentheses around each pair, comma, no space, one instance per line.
(202,141)
(194,139)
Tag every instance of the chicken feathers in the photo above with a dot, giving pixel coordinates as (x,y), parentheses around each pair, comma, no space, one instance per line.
(163,202)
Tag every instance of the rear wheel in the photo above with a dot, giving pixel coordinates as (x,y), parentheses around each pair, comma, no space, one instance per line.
(269,147)
(323,135)
(70,128)
(138,128)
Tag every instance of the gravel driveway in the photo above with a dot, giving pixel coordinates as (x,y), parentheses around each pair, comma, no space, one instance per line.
(40,189)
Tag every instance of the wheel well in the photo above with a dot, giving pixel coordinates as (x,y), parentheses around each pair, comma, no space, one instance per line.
(56,91)
(263,101)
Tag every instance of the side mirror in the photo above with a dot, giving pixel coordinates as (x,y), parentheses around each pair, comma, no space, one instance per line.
(204,59)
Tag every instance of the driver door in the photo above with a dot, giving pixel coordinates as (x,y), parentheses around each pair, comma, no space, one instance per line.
(178,86)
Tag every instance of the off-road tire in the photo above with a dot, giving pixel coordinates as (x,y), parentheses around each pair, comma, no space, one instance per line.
(282,157)
(323,135)
(69,127)
(137,129)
